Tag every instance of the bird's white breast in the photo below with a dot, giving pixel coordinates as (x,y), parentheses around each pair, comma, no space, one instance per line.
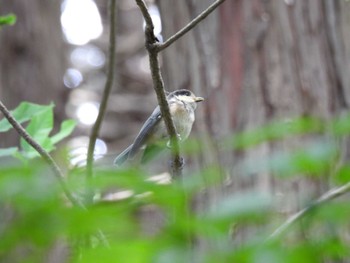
(183,119)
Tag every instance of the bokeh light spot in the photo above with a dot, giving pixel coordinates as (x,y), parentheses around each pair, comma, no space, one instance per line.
(81,21)
(87,112)
(72,78)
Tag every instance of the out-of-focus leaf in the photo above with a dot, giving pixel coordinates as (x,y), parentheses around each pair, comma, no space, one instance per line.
(24,112)
(340,126)
(336,212)
(332,247)
(173,255)
(135,251)
(209,177)
(8,151)
(194,146)
(9,19)
(303,253)
(342,176)
(240,206)
(311,160)
(66,129)
(34,200)
(275,131)
(114,217)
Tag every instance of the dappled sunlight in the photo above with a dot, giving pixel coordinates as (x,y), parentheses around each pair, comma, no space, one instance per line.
(72,78)
(78,148)
(155,15)
(87,112)
(81,21)
(87,56)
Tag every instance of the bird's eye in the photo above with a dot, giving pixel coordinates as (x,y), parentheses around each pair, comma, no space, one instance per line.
(184,93)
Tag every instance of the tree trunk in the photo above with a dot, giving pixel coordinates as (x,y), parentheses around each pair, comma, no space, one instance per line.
(32,64)
(32,58)
(257,61)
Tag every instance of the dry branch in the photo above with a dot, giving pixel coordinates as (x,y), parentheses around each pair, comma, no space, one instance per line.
(189,26)
(325,198)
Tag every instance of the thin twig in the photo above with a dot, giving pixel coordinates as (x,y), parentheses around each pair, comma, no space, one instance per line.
(326,197)
(44,154)
(151,45)
(189,26)
(105,96)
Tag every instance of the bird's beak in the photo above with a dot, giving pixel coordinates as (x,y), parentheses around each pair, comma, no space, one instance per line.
(198,99)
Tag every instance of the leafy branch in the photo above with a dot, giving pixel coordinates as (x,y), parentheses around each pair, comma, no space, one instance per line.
(43,153)
(153,48)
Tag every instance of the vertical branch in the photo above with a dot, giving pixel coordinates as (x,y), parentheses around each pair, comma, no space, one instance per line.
(151,46)
(153,49)
(106,92)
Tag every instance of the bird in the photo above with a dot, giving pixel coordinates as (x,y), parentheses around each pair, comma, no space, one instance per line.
(153,135)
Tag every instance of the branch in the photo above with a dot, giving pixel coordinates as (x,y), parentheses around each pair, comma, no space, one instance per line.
(106,92)
(189,26)
(326,197)
(151,45)
(44,154)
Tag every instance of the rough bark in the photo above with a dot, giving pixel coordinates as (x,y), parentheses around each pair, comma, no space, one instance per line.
(257,61)
(32,58)
(32,65)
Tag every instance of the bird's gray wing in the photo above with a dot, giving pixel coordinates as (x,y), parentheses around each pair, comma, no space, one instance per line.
(145,132)
(122,157)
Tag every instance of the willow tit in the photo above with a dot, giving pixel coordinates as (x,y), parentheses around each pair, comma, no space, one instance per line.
(153,134)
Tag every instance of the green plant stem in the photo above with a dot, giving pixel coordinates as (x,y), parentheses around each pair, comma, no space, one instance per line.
(107,89)
(44,154)
(325,198)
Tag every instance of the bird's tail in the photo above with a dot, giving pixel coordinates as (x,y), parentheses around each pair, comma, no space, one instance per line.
(121,158)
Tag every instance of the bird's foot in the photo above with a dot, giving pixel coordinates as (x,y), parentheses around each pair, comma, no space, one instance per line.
(168,144)
(177,165)
(179,137)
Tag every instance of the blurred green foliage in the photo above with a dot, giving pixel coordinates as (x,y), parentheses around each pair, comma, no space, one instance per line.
(9,20)
(40,125)
(160,222)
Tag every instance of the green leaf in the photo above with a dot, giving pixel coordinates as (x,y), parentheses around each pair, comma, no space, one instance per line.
(314,159)
(24,112)
(276,131)
(340,126)
(9,19)
(66,129)
(342,176)
(39,128)
(337,212)
(40,125)
(8,151)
